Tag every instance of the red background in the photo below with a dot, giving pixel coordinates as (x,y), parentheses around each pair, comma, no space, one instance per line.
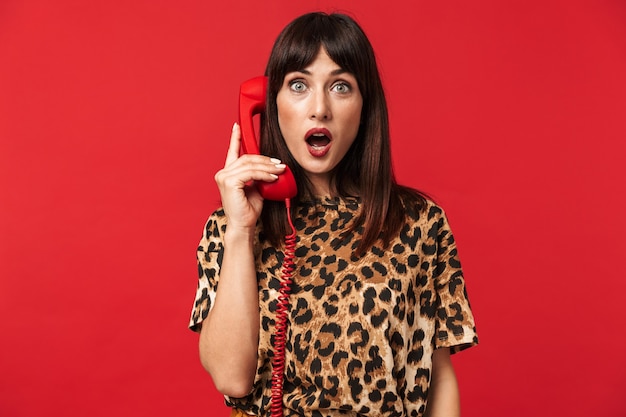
(115,115)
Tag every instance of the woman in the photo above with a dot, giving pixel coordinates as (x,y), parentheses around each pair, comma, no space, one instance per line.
(378,299)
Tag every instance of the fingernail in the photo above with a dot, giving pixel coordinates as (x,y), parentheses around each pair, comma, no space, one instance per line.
(234,125)
(275,161)
(274,176)
(280,166)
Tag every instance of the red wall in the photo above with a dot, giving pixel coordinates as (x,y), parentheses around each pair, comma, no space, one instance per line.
(115,115)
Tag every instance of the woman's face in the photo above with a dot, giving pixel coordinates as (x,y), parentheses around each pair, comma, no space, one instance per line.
(319,112)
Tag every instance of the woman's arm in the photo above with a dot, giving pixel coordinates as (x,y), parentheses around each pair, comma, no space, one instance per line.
(443,396)
(229,335)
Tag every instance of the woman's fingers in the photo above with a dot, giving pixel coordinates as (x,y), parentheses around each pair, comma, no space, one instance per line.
(262,164)
(242,203)
(235,143)
(249,168)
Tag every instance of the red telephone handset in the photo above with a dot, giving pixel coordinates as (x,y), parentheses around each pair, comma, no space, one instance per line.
(251,102)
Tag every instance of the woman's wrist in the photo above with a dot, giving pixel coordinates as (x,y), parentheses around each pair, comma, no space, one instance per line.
(239,235)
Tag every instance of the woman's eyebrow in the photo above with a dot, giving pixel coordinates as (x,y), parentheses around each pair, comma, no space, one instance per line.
(333,72)
(338,71)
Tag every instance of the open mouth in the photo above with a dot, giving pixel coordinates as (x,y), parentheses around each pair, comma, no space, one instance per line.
(318,140)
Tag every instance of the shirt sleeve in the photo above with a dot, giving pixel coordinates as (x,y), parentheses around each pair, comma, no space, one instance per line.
(454,321)
(210,252)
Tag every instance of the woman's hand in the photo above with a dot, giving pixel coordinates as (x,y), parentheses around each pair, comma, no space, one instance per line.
(241,201)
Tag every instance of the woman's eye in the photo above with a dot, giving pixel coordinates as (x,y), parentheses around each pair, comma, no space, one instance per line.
(341,88)
(297,86)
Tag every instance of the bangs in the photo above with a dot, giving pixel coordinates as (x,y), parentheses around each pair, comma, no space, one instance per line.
(298,46)
(297,56)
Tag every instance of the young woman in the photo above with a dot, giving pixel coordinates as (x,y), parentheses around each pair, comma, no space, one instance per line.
(378,300)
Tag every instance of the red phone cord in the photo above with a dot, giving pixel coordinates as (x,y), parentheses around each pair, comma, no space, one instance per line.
(280,330)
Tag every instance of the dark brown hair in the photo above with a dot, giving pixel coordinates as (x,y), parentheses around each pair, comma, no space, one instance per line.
(366,168)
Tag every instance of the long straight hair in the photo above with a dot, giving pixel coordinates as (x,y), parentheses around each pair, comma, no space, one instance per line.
(366,168)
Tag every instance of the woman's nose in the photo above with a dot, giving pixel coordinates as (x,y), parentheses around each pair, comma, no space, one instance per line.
(320,107)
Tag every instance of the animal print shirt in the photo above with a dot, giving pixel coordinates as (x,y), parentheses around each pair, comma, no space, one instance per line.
(362,331)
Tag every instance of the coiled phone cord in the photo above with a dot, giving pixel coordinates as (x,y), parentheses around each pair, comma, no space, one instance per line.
(280,329)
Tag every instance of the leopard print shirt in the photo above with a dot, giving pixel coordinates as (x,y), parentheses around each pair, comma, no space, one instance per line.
(362,331)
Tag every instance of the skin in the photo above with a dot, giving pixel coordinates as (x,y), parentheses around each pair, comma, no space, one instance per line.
(229,335)
(321,95)
(443,396)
